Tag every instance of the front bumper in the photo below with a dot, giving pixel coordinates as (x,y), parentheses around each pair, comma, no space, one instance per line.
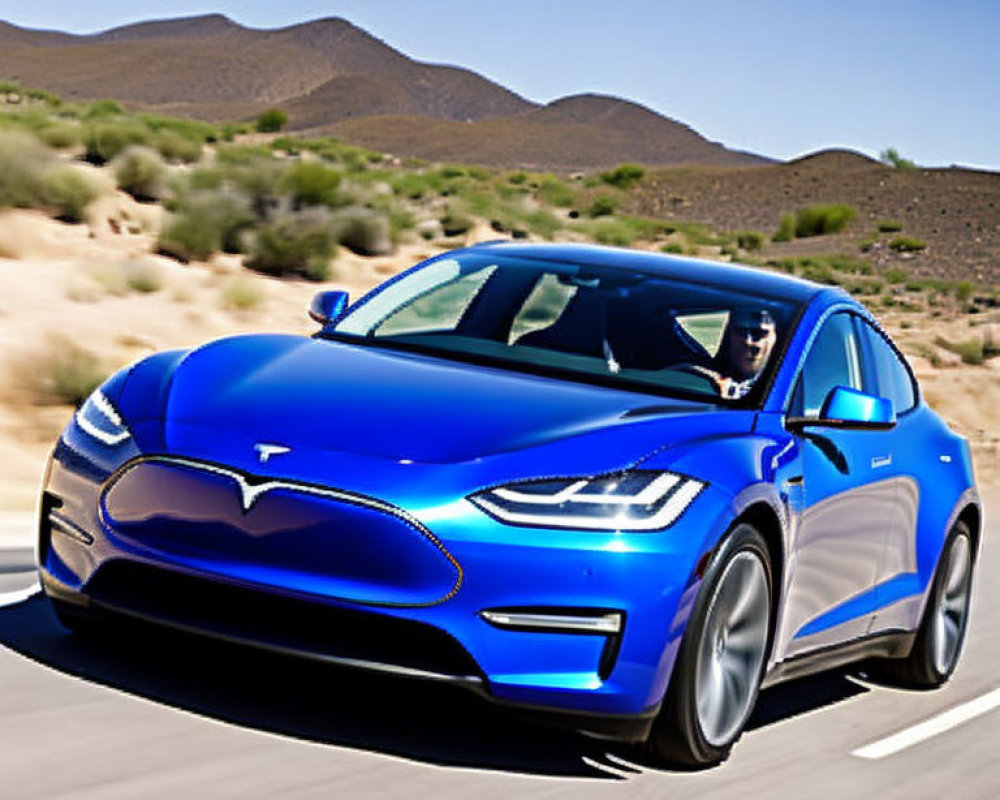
(413,606)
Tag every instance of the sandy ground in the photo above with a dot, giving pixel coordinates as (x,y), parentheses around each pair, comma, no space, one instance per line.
(69,282)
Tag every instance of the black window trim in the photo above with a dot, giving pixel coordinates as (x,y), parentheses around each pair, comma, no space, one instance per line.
(827,316)
(878,330)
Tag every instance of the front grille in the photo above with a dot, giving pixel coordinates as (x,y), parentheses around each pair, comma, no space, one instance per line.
(309,627)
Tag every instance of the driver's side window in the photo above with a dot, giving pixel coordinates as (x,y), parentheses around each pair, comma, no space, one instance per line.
(833,360)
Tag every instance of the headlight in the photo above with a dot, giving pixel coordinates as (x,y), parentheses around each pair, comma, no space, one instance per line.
(639,500)
(98,418)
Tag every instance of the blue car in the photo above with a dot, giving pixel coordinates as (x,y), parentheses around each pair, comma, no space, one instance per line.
(623,488)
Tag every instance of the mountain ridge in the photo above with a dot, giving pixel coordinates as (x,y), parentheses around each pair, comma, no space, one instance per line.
(331,76)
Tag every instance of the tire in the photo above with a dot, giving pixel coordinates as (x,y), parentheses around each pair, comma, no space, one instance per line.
(722,657)
(941,635)
(76,619)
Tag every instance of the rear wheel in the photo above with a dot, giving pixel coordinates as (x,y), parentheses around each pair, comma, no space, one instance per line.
(939,640)
(717,675)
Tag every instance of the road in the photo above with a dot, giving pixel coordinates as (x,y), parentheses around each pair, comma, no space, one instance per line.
(167,716)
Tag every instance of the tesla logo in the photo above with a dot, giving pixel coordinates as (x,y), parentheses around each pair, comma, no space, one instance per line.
(250,494)
(265,451)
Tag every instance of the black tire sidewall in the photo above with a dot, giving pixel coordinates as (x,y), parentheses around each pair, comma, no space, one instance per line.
(924,672)
(677,736)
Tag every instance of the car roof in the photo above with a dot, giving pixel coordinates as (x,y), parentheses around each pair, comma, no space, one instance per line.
(738,277)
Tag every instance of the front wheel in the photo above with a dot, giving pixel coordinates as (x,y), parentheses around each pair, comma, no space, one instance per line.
(718,670)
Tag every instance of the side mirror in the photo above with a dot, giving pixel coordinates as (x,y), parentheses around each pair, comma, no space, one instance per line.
(327,307)
(851,410)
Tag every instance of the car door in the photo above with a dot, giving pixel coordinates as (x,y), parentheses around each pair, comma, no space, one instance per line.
(845,503)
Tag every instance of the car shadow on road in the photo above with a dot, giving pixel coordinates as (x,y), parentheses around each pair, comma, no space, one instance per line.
(418,720)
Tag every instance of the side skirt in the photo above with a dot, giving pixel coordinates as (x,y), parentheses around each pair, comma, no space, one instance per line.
(892,644)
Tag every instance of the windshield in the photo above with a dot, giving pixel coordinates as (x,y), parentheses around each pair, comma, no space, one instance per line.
(612,326)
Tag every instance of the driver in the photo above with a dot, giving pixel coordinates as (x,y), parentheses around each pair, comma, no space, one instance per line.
(746,345)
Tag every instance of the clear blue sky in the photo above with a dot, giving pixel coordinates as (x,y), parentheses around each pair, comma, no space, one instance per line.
(777,77)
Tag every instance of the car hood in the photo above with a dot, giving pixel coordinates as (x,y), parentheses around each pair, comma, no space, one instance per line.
(365,416)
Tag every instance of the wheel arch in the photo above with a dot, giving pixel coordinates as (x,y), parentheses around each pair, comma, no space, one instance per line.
(972,516)
(763,517)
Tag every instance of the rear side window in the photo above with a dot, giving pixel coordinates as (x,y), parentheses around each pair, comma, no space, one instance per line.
(833,361)
(891,377)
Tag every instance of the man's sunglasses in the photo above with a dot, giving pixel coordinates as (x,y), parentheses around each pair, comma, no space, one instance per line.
(755,332)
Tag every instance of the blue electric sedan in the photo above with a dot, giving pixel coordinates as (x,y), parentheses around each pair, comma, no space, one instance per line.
(625,488)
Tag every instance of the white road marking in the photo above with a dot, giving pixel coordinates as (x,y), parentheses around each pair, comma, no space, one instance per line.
(931,727)
(623,763)
(20,595)
(618,773)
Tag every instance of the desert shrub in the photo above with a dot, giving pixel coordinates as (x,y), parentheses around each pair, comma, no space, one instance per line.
(61,135)
(889,226)
(452,171)
(786,229)
(891,157)
(102,109)
(206,222)
(311,183)
(846,263)
(68,191)
(193,129)
(230,130)
(252,172)
(241,293)
(23,160)
(271,121)
(242,155)
(971,351)
(354,158)
(862,286)
(141,172)
(60,372)
(455,221)
(750,240)
(298,245)
(623,176)
(542,223)
(517,178)
(896,275)
(362,231)
(822,219)
(613,232)
(478,173)
(602,206)
(413,186)
(907,244)
(105,140)
(400,221)
(555,192)
(188,237)
(142,275)
(963,290)
(174,146)
(674,248)
(646,228)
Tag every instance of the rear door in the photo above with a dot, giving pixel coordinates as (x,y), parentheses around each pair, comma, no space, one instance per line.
(896,577)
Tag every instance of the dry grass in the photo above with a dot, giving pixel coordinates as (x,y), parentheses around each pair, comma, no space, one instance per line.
(242,293)
(58,372)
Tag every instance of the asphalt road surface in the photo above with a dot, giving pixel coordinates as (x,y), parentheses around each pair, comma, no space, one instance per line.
(169,716)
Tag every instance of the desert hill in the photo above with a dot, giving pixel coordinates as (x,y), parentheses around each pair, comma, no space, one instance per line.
(955,211)
(331,76)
